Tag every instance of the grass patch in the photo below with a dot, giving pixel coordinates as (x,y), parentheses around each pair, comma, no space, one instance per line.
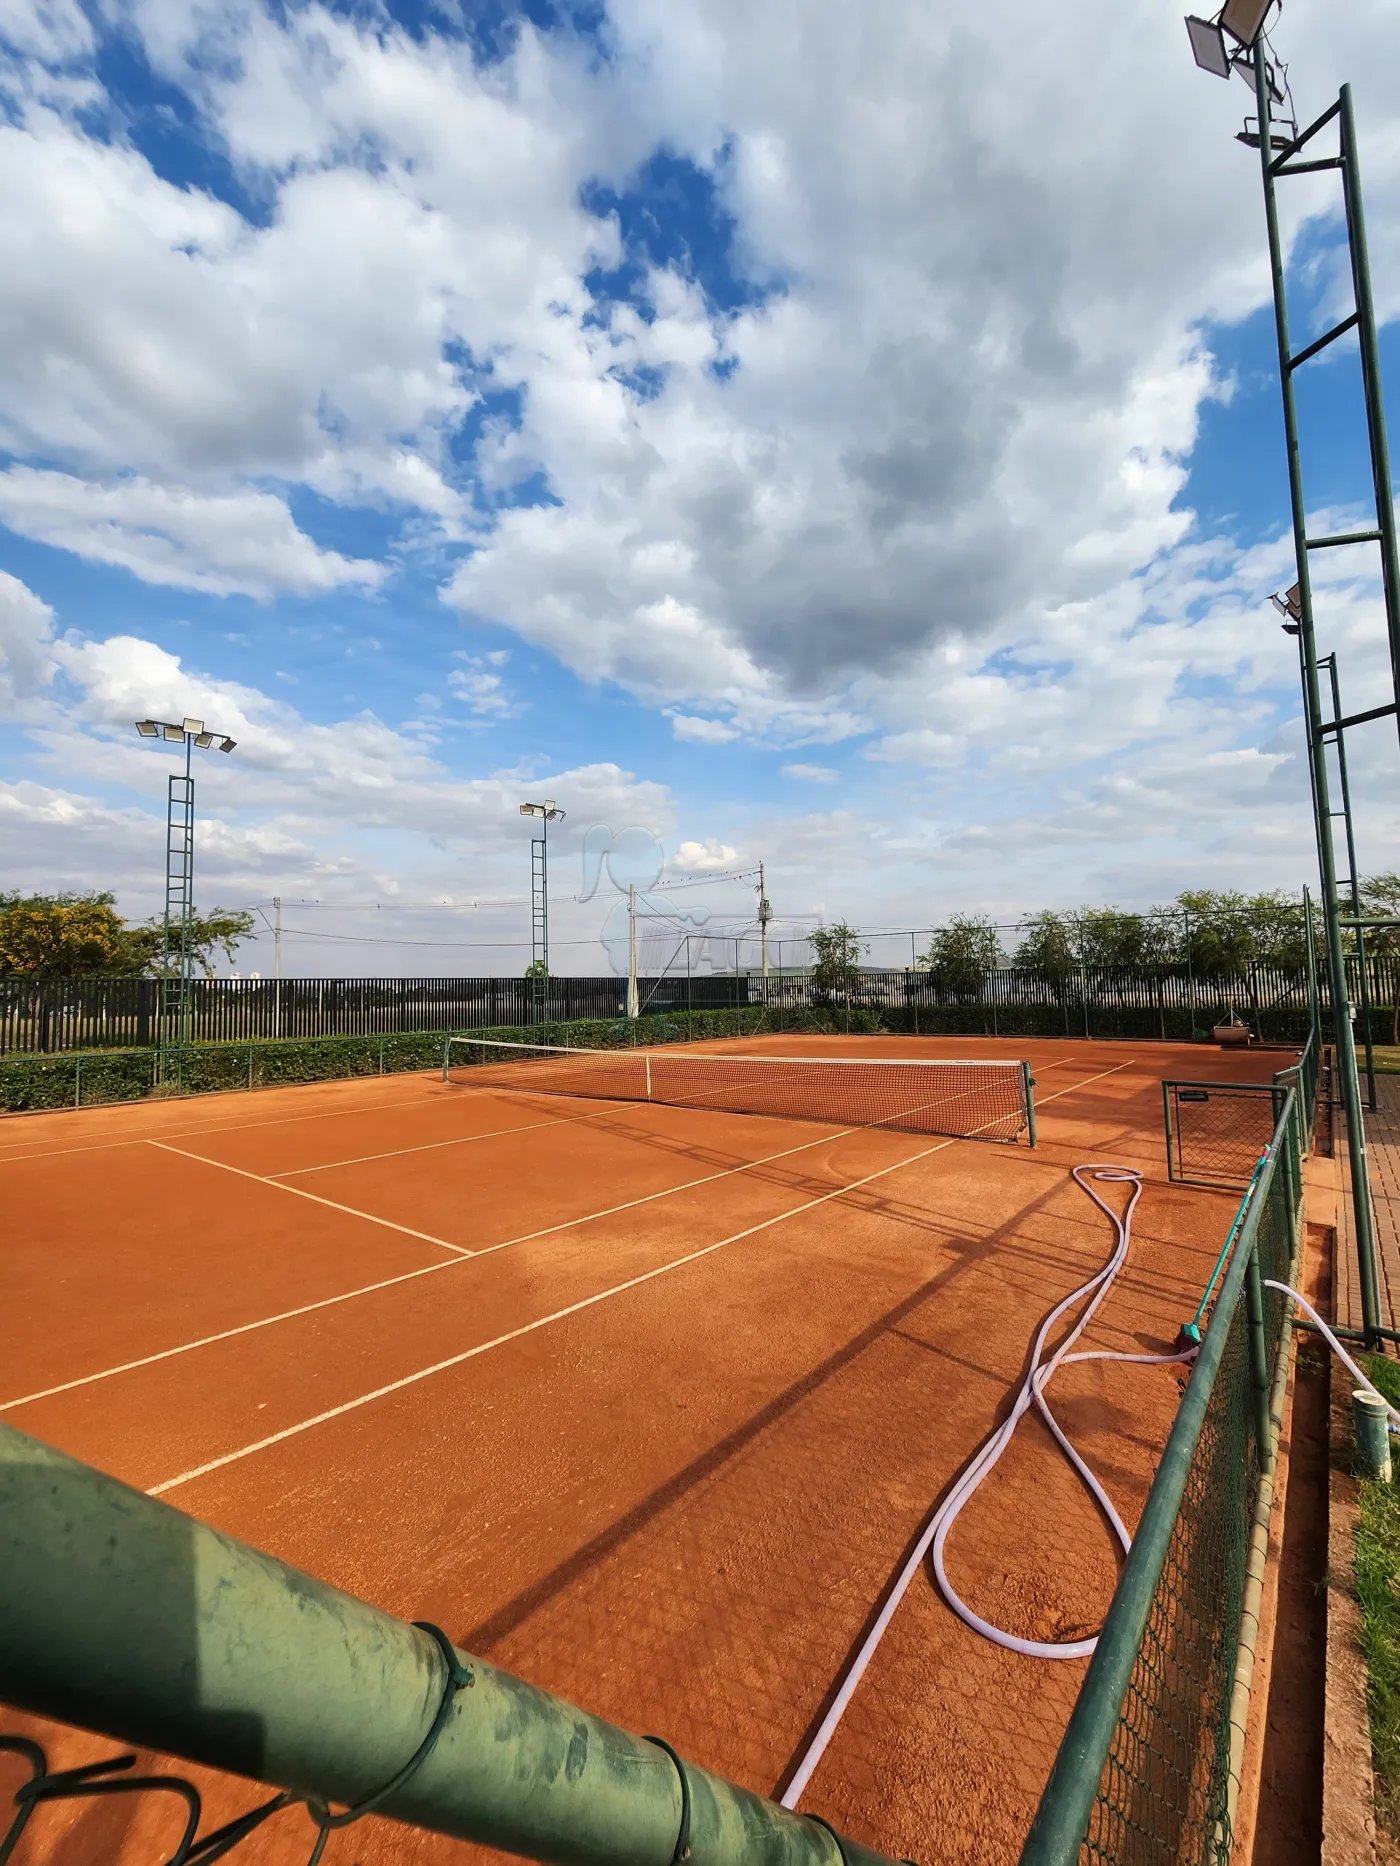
(1378,1590)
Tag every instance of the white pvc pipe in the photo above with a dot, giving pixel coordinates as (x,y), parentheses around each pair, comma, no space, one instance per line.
(1335,1346)
(983,1462)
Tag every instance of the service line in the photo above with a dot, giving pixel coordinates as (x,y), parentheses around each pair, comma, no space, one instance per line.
(296,1192)
(543,1321)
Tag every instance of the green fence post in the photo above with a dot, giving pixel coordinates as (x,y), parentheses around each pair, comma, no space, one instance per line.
(1258,1357)
(78,1080)
(1167,1128)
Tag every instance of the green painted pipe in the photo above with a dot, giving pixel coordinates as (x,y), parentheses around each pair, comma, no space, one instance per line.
(1370,1419)
(123,1616)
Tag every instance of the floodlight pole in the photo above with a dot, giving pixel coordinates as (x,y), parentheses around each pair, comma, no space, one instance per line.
(539,906)
(1312,699)
(177,923)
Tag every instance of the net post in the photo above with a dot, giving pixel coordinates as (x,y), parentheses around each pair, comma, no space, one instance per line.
(1028,1083)
(446,1058)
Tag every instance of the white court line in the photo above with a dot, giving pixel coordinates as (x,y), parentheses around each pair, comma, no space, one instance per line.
(1085,1083)
(296,1192)
(407,1276)
(463,1140)
(284,1120)
(487,1250)
(527,1328)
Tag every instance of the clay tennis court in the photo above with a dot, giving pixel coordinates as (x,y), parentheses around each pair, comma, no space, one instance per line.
(643,1403)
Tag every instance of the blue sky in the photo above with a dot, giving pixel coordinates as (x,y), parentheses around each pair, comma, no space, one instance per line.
(846,443)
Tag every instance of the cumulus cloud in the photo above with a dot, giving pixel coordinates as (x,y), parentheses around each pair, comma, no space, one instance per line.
(914,481)
(711,853)
(27,665)
(243,543)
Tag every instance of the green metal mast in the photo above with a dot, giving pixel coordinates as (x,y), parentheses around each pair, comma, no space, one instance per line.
(1276,161)
(176,951)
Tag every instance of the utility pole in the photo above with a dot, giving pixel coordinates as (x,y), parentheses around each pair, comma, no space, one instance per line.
(765,914)
(632,1006)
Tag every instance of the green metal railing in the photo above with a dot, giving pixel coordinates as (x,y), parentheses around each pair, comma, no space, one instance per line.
(124,1616)
(1148,1768)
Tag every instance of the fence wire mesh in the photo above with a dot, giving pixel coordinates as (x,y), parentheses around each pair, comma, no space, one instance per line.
(1160,1793)
(1216,1131)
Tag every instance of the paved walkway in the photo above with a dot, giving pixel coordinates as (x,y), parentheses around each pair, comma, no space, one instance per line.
(1383,1147)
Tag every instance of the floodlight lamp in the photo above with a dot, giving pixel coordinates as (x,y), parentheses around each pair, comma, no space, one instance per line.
(148,728)
(204,740)
(228,745)
(176,734)
(1208,46)
(1243,18)
(192,725)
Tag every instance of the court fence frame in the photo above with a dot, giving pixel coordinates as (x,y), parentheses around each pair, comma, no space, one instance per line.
(51,1016)
(1150,1765)
(1194,1149)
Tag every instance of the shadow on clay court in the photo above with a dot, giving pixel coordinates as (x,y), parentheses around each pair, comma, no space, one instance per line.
(510,1617)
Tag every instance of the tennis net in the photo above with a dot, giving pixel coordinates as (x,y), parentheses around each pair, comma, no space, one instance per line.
(966,1100)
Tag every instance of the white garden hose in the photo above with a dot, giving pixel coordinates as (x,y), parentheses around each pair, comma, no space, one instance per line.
(1032,1393)
(1335,1346)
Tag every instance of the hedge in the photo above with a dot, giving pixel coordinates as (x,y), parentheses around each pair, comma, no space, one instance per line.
(91,1077)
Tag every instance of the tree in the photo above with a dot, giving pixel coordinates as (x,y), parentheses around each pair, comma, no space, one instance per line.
(961,954)
(83,936)
(537,969)
(837,970)
(1047,948)
(63,936)
(1229,932)
(221,930)
(1108,936)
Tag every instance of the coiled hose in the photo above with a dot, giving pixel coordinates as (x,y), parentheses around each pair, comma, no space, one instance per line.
(985,1459)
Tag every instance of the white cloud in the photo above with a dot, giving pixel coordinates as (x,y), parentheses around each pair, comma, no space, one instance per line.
(243,543)
(694,731)
(27,665)
(484,694)
(811,774)
(711,853)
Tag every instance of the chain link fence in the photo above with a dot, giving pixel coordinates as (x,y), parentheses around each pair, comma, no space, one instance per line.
(1147,1771)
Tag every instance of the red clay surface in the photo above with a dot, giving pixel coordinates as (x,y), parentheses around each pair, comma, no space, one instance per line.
(677,1504)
